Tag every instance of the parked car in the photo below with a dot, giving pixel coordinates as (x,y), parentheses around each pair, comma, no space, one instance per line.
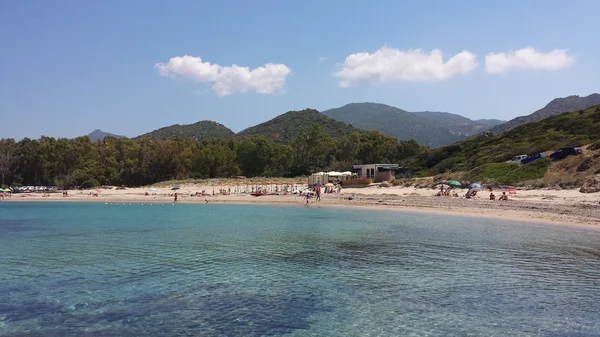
(517,159)
(565,152)
(532,157)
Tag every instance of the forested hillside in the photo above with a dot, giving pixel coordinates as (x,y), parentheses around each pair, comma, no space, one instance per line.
(133,162)
(569,129)
(285,127)
(197,131)
(394,122)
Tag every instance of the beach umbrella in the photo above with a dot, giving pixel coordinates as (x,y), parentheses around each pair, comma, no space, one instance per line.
(329,185)
(153,189)
(175,188)
(511,191)
(454,183)
(98,190)
(475,186)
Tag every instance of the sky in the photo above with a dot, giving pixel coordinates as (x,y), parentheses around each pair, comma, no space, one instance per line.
(129,67)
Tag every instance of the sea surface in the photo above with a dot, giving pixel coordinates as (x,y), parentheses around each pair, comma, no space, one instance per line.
(81,269)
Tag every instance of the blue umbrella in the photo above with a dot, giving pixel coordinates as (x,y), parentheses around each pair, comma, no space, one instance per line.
(175,188)
(475,186)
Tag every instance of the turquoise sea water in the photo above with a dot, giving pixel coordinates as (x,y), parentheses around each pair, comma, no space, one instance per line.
(75,269)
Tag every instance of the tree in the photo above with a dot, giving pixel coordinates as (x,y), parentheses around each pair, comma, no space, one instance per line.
(7,159)
(313,150)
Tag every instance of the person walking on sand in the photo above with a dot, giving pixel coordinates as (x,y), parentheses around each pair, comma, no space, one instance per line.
(175,198)
(307,197)
(318,193)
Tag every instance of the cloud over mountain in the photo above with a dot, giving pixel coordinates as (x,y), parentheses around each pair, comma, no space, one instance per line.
(226,80)
(527,58)
(388,65)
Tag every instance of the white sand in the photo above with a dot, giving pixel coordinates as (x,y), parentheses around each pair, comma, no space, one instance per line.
(548,206)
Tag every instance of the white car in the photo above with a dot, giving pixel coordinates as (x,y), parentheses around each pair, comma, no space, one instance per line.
(517,159)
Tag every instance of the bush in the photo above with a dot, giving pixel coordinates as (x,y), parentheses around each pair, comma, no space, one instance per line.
(90,183)
(506,173)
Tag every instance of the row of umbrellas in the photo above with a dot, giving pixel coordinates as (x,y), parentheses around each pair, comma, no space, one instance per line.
(474,186)
(456,183)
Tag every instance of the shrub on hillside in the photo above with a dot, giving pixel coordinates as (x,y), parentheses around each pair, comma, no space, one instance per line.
(506,173)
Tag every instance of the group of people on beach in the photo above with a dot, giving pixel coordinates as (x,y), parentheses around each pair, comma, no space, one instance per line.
(308,195)
(471,193)
(503,197)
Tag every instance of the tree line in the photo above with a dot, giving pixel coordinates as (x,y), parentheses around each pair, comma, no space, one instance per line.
(135,162)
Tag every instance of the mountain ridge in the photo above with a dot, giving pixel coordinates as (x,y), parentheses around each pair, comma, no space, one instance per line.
(284,127)
(394,122)
(555,107)
(198,131)
(98,134)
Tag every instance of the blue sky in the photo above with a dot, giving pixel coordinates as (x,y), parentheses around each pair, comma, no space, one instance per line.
(68,67)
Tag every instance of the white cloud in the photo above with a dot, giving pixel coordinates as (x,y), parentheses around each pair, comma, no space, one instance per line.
(388,64)
(527,58)
(227,80)
(322,59)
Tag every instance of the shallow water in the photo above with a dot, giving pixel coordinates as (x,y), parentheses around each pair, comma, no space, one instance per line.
(232,270)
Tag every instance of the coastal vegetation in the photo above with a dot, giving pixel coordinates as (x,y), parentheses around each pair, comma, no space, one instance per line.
(134,162)
(297,144)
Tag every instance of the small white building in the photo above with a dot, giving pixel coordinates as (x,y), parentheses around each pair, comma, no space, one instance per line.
(322,178)
(381,172)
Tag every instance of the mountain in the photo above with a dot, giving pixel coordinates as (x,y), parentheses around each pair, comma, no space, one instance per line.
(459,124)
(395,122)
(555,107)
(577,128)
(98,134)
(284,127)
(198,131)
(490,123)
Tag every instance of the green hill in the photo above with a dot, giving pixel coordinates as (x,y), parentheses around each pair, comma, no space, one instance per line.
(198,131)
(481,153)
(458,124)
(555,107)
(284,127)
(394,122)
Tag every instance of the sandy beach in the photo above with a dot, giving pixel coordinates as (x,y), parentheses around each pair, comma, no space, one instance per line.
(545,206)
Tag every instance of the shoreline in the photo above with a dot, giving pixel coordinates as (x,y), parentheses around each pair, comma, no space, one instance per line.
(548,213)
